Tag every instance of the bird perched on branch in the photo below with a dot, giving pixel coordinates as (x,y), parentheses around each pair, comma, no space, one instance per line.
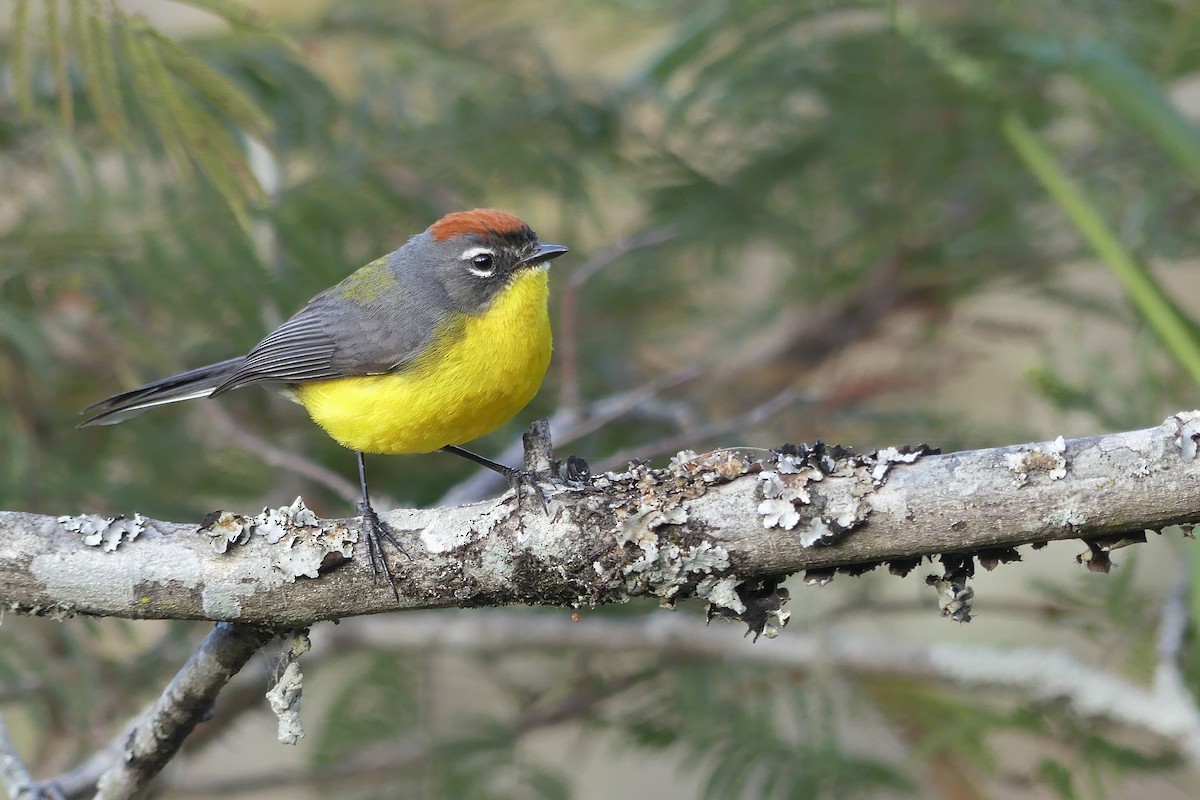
(427,348)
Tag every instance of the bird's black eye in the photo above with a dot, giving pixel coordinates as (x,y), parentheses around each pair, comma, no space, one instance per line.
(480,261)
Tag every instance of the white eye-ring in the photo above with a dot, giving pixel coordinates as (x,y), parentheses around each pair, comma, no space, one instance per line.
(480,261)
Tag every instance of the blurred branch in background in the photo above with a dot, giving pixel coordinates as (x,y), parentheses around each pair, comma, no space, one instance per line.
(762,198)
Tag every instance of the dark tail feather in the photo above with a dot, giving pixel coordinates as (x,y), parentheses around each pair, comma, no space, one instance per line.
(198,382)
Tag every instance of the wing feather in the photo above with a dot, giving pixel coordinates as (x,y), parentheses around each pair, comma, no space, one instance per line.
(337,337)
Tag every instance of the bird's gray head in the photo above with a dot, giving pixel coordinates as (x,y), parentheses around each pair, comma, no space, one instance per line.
(471,256)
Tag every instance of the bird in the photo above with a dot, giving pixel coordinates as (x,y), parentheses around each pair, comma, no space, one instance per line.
(429,347)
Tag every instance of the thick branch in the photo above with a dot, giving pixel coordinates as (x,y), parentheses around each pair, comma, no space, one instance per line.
(721,526)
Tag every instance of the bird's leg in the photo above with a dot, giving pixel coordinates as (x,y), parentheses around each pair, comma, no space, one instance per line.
(516,477)
(374,530)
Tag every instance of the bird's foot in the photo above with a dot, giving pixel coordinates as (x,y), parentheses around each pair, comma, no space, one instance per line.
(376,532)
(574,472)
(520,479)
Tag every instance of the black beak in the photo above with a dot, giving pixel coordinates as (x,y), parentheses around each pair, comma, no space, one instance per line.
(544,252)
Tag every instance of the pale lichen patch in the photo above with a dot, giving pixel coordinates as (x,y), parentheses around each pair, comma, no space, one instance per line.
(286,695)
(843,505)
(1188,440)
(721,592)
(718,466)
(226,529)
(107,533)
(954,598)
(775,621)
(663,567)
(778,513)
(1047,459)
(816,531)
(301,543)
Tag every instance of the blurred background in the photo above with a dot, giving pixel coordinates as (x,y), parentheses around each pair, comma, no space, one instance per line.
(968,224)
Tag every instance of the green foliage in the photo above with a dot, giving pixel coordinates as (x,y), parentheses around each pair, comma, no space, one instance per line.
(1116,613)
(1131,92)
(1177,331)
(1057,776)
(176,103)
(484,764)
(376,703)
(733,724)
(961,733)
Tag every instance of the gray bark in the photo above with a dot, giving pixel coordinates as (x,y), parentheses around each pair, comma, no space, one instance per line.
(723,526)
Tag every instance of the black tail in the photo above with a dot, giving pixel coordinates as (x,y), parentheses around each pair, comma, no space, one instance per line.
(198,382)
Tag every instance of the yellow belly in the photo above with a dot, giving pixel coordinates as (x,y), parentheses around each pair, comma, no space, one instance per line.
(466,385)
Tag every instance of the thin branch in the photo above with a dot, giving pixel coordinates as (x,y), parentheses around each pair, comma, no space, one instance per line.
(276,456)
(571,397)
(755,416)
(80,781)
(14,775)
(1047,674)
(243,694)
(125,767)
(602,411)
(395,758)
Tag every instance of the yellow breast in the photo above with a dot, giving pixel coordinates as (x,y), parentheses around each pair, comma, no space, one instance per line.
(473,379)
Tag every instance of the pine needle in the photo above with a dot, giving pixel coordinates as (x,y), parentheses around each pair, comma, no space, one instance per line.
(58,65)
(21,69)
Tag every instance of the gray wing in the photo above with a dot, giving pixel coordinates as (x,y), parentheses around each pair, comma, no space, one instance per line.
(333,337)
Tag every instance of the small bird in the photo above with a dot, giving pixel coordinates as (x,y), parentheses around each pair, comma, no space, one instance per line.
(437,343)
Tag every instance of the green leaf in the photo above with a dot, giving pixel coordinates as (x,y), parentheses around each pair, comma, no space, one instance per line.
(155,92)
(58,65)
(688,46)
(191,136)
(959,65)
(241,18)
(1131,92)
(94,51)
(224,95)
(22,76)
(1164,317)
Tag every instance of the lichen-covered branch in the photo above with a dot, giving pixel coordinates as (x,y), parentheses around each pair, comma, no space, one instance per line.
(724,526)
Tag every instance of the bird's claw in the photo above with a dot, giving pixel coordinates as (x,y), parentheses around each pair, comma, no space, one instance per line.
(520,478)
(374,531)
(574,472)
